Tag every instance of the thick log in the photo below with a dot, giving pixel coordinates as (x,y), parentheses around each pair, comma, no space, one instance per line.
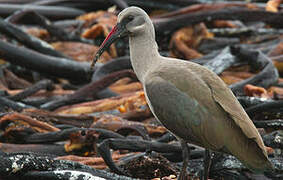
(28,40)
(14,163)
(54,12)
(245,15)
(59,67)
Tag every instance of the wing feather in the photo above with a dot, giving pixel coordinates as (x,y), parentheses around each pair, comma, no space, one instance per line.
(179,112)
(199,95)
(226,99)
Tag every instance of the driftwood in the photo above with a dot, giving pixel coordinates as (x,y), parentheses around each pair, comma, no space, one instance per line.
(55,31)
(236,32)
(273,124)
(205,7)
(65,135)
(6,103)
(54,149)
(242,14)
(60,67)
(43,84)
(27,162)
(268,106)
(88,91)
(49,11)
(60,120)
(267,77)
(209,45)
(141,145)
(222,61)
(28,40)
(247,102)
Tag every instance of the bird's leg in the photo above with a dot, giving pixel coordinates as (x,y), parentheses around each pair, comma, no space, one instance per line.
(186,155)
(206,164)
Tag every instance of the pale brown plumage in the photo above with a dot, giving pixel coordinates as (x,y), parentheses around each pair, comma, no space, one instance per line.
(189,100)
(221,124)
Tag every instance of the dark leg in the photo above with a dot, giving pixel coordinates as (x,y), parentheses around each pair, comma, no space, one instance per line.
(186,155)
(206,164)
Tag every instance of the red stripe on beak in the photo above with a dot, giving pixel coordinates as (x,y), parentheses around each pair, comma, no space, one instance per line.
(112,36)
(114,29)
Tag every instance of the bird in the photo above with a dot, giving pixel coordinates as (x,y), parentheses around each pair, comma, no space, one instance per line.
(191,101)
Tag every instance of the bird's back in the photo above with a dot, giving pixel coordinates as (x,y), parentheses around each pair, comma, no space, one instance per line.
(218,121)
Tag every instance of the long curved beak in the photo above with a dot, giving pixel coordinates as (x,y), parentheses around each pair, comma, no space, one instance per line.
(117,31)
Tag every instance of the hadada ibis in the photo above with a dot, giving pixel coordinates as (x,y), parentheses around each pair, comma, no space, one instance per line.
(191,101)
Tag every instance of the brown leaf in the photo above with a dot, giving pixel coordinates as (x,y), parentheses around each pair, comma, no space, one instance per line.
(224,24)
(80,51)
(273,5)
(102,17)
(82,142)
(127,88)
(275,91)
(21,119)
(115,123)
(277,50)
(39,33)
(137,99)
(251,90)
(230,77)
(95,162)
(103,22)
(184,41)
(98,30)
(269,150)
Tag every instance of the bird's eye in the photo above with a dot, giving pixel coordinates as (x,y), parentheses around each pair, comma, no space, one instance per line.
(127,19)
(130,17)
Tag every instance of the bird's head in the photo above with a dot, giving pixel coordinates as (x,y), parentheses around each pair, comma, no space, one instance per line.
(132,21)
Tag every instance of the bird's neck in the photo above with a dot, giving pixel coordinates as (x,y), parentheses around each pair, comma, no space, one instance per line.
(144,53)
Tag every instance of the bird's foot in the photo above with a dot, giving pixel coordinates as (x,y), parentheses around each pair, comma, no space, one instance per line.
(183,176)
(202,175)
(186,154)
(206,164)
